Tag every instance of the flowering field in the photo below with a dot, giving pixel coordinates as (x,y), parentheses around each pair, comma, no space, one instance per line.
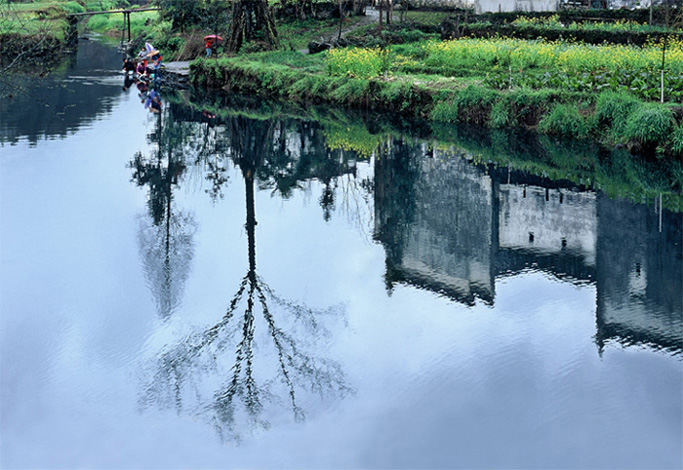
(553,22)
(507,63)
(584,67)
(574,57)
(357,62)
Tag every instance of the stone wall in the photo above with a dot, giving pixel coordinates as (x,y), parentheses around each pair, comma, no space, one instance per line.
(483,6)
(486,6)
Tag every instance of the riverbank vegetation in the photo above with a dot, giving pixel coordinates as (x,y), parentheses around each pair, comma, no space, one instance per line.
(32,30)
(365,134)
(615,92)
(611,93)
(448,66)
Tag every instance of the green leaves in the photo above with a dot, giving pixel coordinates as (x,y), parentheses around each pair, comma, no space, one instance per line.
(649,123)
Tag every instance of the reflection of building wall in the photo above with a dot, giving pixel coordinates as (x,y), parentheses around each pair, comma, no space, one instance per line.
(639,275)
(451,227)
(548,221)
(451,241)
(446,246)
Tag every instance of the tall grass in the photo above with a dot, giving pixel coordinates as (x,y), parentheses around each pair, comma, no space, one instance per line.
(139,22)
(553,22)
(562,65)
(358,62)
(565,120)
(649,124)
(612,110)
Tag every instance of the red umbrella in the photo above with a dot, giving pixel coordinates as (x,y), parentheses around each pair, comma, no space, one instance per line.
(213,37)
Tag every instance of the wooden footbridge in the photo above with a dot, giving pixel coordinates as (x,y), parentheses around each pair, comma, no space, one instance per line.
(176,74)
(75,17)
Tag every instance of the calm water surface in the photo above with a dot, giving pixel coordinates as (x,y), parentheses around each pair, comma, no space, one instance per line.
(187,290)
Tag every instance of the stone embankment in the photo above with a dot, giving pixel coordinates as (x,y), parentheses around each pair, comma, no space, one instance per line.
(176,74)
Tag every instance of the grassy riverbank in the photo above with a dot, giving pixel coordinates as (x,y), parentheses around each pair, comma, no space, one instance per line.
(609,93)
(35,31)
(615,172)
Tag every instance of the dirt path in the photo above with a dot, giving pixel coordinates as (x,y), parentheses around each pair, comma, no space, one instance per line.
(371,16)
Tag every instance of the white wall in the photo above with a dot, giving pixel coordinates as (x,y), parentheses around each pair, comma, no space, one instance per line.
(482,6)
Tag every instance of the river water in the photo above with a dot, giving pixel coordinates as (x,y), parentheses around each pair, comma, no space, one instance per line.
(224,286)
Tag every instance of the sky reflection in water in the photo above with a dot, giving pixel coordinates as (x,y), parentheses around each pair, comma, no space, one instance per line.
(183,291)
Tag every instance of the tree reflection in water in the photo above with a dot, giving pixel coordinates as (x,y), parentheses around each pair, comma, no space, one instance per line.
(239,372)
(166,236)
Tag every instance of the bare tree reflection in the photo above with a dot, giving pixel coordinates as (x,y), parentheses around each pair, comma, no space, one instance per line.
(263,353)
(166,236)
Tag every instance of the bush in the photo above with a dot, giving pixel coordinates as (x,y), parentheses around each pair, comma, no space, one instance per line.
(649,124)
(677,141)
(445,111)
(612,110)
(565,120)
(73,7)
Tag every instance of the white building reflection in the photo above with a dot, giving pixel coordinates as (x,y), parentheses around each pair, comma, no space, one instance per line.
(454,227)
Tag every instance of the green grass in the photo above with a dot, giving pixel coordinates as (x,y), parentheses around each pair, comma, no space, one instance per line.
(35,19)
(649,124)
(296,34)
(114,22)
(433,18)
(565,120)
(292,59)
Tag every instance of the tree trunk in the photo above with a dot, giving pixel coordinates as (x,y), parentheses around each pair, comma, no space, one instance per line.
(249,18)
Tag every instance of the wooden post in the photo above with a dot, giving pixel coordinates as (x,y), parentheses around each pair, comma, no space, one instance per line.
(123,28)
(660,212)
(128,18)
(662,73)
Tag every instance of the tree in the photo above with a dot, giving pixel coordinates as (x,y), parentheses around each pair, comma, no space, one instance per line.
(216,15)
(251,20)
(182,13)
(251,381)
(165,237)
(25,35)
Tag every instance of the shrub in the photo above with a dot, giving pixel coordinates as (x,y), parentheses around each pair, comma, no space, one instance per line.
(677,141)
(74,7)
(649,124)
(445,111)
(501,115)
(565,120)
